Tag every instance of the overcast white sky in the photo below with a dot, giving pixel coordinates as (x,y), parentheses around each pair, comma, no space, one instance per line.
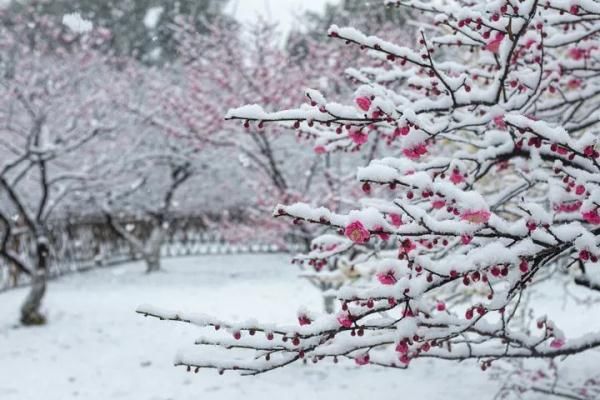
(282,11)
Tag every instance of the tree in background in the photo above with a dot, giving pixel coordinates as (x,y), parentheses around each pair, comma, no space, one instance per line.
(53,106)
(360,14)
(138,28)
(142,173)
(227,65)
(218,70)
(496,189)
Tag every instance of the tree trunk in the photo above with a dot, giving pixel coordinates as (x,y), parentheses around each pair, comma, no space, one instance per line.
(152,252)
(30,310)
(152,263)
(329,303)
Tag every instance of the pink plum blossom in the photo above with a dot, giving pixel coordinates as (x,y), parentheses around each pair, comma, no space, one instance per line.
(402,347)
(387,278)
(437,204)
(476,216)
(382,235)
(416,152)
(568,207)
(466,239)
(456,177)
(499,121)
(320,150)
(396,220)
(364,103)
(407,245)
(577,53)
(358,136)
(345,320)
(494,44)
(574,83)
(362,359)
(592,217)
(356,232)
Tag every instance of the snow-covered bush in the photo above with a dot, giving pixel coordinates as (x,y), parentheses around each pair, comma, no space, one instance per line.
(492,180)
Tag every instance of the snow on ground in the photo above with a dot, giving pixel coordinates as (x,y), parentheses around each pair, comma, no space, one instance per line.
(97,348)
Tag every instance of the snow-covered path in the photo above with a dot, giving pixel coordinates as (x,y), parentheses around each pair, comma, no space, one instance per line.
(97,348)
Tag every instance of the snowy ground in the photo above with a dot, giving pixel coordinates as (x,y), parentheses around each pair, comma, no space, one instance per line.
(97,348)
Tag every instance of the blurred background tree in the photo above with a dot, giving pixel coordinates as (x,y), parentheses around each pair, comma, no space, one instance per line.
(363,15)
(139,28)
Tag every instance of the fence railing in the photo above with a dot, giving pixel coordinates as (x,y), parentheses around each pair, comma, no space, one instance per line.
(85,246)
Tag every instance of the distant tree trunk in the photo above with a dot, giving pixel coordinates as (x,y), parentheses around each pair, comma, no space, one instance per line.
(152,264)
(148,250)
(329,303)
(152,254)
(30,310)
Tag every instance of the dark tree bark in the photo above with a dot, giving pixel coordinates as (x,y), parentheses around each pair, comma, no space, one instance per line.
(31,309)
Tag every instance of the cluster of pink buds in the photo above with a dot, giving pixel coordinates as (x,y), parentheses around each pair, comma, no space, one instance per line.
(590,151)
(456,177)
(403,350)
(406,246)
(498,270)
(345,320)
(303,319)
(574,83)
(387,278)
(591,216)
(586,255)
(470,311)
(362,359)
(381,233)
(499,122)
(317,264)
(416,152)
(358,136)
(364,103)
(559,149)
(531,225)
(476,216)
(400,131)
(577,53)
(395,220)
(568,207)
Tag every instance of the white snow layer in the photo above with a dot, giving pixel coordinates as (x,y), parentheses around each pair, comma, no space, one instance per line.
(76,23)
(97,348)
